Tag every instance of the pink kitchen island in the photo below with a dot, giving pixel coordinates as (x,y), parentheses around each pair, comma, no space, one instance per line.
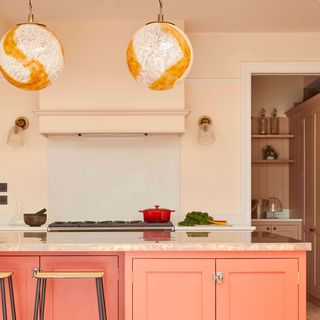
(222,275)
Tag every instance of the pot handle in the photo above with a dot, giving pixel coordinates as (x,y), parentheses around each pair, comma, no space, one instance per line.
(157,207)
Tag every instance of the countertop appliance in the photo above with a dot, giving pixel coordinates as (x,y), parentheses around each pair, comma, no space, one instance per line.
(72,226)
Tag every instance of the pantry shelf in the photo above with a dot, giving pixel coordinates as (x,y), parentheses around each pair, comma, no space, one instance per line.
(272,161)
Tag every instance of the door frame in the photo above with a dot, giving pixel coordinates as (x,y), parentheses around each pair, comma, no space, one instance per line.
(249,69)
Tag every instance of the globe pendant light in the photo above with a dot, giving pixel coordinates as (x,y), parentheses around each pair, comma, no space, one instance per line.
(31,57)
(160,54)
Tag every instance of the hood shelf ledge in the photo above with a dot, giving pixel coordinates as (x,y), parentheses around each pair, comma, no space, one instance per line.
(116,112)
(160,121)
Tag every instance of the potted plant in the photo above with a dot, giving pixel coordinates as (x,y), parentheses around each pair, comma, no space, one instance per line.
(269,153)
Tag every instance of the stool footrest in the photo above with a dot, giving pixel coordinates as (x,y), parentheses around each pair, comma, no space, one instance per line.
(68,274)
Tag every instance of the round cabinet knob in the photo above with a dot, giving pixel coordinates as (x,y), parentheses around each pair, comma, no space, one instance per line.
(268,228)
(312,230)
(274,228)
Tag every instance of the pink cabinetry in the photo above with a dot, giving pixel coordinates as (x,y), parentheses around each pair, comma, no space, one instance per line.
(173,289)
(24,285)
(77,299)
(261,289)
(232,288)
(168,285)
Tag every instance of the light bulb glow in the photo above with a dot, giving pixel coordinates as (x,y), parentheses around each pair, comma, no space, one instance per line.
(31,57)
(159,55)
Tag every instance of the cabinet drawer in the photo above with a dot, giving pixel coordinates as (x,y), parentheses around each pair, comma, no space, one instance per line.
(291,229)
(263,228)
(287,231)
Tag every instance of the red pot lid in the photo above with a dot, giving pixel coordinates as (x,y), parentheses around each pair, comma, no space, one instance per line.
(156,208)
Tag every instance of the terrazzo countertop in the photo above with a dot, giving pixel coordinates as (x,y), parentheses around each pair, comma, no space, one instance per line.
(43,228)
(148,241)
(213,227)
(277,220)
(6,227)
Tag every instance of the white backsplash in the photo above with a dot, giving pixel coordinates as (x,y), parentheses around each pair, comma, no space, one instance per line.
(100,178)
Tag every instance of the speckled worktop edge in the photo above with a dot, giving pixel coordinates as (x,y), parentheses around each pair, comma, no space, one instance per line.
(147,241)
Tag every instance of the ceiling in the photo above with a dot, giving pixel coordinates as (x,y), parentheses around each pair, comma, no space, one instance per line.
(200,15)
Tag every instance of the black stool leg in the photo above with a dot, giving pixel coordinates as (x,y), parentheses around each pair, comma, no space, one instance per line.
(13,307)
(43,298)
(103,302)
(99,299)
(37,300)
(3,299)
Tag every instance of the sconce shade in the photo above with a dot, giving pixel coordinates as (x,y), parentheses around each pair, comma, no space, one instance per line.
(205,133)
(159,55)
(15,137)
(31,57)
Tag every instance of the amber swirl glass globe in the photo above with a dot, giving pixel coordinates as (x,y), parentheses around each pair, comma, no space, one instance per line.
(159,55)
(31,57)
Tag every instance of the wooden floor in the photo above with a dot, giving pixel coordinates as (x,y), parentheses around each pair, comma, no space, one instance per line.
(313,312)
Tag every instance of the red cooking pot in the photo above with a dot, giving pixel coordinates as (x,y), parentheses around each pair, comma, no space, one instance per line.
(156,214)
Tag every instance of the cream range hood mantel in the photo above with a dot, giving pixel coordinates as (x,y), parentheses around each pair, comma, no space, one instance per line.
(58,122)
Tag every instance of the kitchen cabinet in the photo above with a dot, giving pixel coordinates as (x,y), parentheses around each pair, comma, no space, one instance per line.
(173,289)
(77,299)
(286,228)
(23,284)
(306,176)
(271,289)
(203,289)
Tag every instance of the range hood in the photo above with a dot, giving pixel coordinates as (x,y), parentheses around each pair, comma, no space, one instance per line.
(64,122)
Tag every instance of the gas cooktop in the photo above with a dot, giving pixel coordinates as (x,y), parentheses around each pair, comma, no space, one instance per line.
(109,226)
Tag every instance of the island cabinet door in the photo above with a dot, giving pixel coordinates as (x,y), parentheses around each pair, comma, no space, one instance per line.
(264,289)
(69,299)
(171,289)
(23,284)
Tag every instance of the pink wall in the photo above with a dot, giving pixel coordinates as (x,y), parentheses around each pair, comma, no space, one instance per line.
(23,168)
(210,176)
(96,75)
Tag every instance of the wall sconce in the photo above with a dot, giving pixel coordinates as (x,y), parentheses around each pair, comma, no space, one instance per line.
(15,136)
(205,133)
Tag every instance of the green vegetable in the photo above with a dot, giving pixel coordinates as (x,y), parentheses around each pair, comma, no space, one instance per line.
(196,218)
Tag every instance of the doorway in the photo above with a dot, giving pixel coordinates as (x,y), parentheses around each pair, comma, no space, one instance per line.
(253,76)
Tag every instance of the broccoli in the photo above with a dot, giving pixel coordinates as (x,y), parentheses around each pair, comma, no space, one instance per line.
(196,218)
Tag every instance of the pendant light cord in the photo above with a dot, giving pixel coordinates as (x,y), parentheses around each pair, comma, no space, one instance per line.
(30,16)
(160,15)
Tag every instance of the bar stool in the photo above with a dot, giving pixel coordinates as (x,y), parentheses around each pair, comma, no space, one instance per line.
(3,276)
(42,277)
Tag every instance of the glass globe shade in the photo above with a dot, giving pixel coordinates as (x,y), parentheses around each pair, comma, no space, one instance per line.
(31,57)
(206,134)
(15,137)
(159,55)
